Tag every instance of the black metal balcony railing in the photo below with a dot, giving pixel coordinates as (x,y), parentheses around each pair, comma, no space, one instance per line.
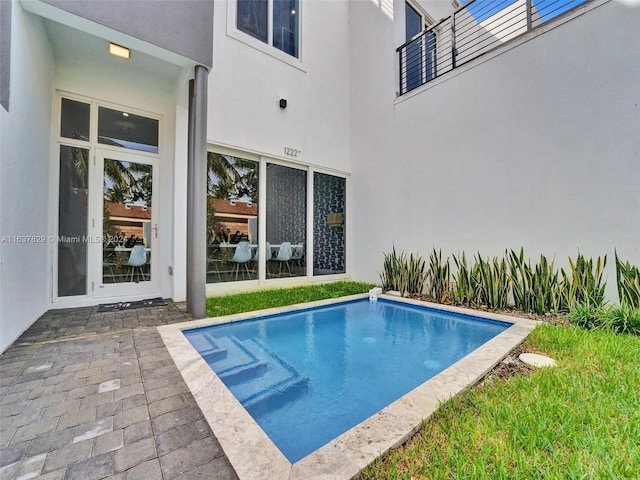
(473,30)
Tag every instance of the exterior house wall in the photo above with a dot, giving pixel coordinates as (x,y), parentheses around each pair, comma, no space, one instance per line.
(536,147)
(248,80)
(25,179)
(164,23)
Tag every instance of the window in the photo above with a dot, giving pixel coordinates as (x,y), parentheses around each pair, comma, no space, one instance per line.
(420,55)
(275,22)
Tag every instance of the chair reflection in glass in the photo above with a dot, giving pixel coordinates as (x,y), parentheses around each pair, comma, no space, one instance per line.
(242,256)
(136,262)
(284,256)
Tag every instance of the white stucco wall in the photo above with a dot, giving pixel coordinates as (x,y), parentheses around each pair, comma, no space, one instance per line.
(246,84)
(25,177)
(538,147)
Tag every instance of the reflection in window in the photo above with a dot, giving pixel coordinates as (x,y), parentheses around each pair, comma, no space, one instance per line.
(328,224)
(286,221)
(127,130)
(252,18)
(285,26)
(232,218)
(126,226)
(73,221)
(74,121)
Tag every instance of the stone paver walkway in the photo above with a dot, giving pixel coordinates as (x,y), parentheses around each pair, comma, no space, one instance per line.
(88,395)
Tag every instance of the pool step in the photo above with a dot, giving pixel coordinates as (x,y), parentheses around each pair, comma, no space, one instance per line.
(208,347)
(275,386)
(259,379)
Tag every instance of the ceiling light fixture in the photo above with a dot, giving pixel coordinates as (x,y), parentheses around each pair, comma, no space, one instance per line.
(119,51)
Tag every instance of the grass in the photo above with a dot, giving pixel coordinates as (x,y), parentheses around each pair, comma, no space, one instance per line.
(578,420)
(246,302)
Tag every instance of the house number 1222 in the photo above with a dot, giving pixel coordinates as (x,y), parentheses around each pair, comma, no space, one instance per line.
(291,152)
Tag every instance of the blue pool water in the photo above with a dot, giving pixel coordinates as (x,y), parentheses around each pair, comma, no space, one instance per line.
(308,376)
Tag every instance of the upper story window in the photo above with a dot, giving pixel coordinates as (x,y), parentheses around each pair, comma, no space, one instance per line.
(274,22)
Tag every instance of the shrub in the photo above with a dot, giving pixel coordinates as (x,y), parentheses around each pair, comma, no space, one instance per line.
(628,282)
(438,277)
(625,319)
(403,274)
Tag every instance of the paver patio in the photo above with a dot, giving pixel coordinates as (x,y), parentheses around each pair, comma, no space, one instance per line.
(88,395)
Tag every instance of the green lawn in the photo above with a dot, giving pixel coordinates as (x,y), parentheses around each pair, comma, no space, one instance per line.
(579,420)
(246,302)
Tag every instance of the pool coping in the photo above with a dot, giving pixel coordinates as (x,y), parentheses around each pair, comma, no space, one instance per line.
(254,456)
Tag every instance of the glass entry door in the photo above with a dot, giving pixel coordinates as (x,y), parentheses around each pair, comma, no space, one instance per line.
(125,226)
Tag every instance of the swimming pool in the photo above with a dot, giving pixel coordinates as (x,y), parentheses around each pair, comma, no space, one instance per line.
(384,418)
(307,377)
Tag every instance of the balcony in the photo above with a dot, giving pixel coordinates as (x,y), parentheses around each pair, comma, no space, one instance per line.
(473,30)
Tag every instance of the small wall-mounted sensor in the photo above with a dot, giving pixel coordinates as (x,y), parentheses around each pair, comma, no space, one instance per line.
(283,103)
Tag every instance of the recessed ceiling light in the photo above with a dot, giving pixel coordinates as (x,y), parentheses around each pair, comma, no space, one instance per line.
(119,51)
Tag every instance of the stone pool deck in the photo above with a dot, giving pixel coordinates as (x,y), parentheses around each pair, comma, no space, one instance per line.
(88,395)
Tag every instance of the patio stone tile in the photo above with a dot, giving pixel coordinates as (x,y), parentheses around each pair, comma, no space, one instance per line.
(6,436)
(67,455)
(16,397)
(170,404)
(74,418)
(135,453)
(20,385)
(186,458)
(108,442)
(109,385)
(40,392)
(30,467)
(137,431)
(220,465)
(50,441)
(25,417)
(82,392)
(100,378)
(164,381)
(134,401)
(55,475)
(108,409)
(13,453)
(175,419)
(69,385)
(48,400)
(98,467)
(182,436)
(61,408)
(87,373)
(93,429)
(97,399)
(128,391)
(131,416)
(32,430)
(166,392)
(131,379)
(149,470)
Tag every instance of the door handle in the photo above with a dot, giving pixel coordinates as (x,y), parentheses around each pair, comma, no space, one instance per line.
(155,230)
